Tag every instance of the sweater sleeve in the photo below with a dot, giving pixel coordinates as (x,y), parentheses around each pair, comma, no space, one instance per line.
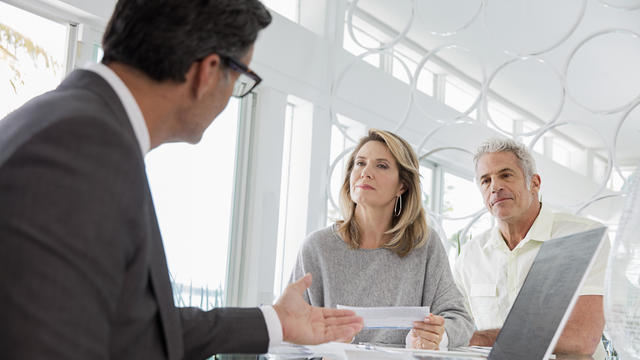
(299,271)
(447,302)
(309,260)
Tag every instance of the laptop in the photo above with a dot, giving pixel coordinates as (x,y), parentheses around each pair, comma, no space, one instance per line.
(546,299)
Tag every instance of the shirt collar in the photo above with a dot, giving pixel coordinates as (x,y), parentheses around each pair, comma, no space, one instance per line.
(540,230)
(128,101)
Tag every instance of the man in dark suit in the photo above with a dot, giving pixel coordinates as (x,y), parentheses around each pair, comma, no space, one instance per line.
(82,266)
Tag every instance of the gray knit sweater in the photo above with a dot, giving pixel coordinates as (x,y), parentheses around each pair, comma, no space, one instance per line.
(379,277)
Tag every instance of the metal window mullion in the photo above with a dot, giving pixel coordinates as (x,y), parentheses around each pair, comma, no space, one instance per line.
(438,188)
(439,86)
(237,238)
(72,47)
(386,62)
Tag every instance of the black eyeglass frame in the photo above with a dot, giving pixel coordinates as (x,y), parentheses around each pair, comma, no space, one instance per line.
(243,69)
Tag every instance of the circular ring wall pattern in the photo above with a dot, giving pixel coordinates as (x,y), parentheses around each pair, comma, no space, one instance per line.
(385,45)
(503,68)
(616,76)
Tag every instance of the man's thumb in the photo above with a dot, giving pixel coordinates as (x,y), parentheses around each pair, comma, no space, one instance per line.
(302,284)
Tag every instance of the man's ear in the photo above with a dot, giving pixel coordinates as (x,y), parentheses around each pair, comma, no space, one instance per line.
(535,182)
(207,74)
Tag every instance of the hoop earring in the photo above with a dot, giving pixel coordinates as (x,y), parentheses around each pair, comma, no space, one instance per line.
(397,208)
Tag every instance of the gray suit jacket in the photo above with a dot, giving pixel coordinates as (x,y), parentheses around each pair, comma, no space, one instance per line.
(82,267)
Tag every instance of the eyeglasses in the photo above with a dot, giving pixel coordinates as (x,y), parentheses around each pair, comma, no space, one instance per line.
(247,80)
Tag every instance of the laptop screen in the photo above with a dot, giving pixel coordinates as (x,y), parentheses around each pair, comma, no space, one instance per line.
(547,296)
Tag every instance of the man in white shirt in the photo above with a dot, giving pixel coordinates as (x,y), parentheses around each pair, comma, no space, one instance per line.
(492,267)
(82,262)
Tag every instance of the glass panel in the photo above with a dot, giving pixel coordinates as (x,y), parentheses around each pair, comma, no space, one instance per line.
(501,116)
(459,95)
(286,8)
(426,180)
(399,71)
(409,57)
(461,197)
(192,188)
(562,153)
(339,143)
(425,81)
(32,56)
(599,168)
(616,181)
(528,127)
(484,223)
(98,53)
(351,46)
(294,189)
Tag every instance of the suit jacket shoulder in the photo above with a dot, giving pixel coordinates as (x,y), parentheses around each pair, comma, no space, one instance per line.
(75,227)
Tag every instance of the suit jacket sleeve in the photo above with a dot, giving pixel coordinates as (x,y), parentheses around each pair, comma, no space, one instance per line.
(223,331)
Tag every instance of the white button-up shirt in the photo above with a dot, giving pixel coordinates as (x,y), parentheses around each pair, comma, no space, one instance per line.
(490,275)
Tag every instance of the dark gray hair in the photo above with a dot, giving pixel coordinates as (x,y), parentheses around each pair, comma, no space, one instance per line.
(162,38)
(494,145)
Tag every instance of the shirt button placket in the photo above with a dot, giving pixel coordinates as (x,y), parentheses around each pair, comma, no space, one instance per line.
(512,276)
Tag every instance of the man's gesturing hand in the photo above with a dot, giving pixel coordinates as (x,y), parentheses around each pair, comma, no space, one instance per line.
(309,325)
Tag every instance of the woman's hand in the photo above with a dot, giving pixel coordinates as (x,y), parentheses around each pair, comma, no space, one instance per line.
(426,334)
(347,340)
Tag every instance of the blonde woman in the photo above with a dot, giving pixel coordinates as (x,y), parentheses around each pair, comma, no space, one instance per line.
(382,253)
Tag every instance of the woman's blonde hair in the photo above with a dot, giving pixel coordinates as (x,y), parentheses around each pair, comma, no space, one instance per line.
(409,229)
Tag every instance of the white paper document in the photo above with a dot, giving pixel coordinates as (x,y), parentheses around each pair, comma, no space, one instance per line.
(363,351)
(392,317)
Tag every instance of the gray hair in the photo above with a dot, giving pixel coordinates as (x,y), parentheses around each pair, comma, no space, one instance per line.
(494,145)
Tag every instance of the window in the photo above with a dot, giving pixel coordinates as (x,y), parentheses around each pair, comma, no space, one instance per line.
(411,58)
(426,180)
(565,153)
(397,69)
(425,81)
(619,177)
(287,8)
(294,188)
(367,35)
(351,46)
(98,54)
(460,95)
(32,56)
(461,198)
(529,127)
(599,167)
(192,188)
(452,199)
(339,144)
(501,116)
(561,153)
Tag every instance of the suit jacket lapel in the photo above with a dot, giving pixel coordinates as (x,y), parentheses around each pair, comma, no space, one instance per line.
(162,289)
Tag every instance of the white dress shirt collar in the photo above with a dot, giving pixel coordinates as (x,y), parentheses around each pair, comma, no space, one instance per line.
(540,230)
(129,102)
